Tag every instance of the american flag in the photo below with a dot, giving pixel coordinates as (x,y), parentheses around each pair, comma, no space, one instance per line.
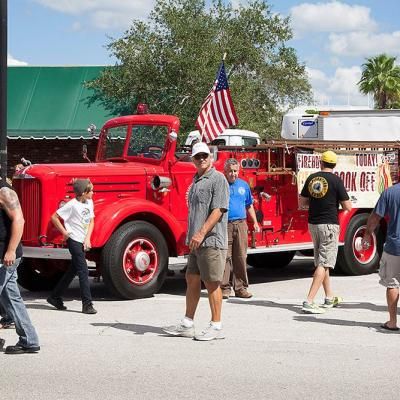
(217,112)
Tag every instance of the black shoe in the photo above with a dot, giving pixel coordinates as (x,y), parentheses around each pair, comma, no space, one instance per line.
(56,302)
(18,349)
(2,342)
(89,309)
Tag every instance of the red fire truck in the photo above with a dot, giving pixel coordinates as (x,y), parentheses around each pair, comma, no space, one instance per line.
(141,183)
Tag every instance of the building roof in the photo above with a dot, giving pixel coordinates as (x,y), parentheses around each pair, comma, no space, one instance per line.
(52,103)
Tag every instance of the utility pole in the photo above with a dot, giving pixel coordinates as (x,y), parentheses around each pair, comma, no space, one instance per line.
(3,89)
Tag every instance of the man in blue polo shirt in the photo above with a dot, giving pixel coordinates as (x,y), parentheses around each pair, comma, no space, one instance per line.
(240,203)
(388,205)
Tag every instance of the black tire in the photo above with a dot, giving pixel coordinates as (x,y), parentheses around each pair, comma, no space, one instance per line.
(121,268)
(36,274)
(270,260)
(353,262)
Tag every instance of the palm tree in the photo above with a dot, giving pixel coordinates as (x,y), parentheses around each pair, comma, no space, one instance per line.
(381,77)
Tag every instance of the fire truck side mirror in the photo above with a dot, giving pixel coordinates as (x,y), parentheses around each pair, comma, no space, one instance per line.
(173,136)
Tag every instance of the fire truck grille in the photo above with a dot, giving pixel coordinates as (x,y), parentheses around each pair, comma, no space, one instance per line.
(28,191)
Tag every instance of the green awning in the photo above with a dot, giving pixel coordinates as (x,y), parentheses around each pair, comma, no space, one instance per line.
(52,103)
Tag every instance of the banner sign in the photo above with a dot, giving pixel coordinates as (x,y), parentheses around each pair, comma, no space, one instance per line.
(365,174)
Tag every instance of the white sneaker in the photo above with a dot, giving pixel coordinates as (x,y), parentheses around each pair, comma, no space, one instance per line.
(179,330)
(210,333)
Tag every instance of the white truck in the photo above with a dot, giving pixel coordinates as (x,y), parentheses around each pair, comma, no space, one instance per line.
(342,125)
(229,137)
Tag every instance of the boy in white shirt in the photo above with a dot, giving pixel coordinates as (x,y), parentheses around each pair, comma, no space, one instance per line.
(78,216)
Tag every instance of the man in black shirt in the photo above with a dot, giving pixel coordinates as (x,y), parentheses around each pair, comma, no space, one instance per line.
(322,193)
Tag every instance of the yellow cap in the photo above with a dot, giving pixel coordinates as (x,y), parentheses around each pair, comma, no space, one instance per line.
(329,157)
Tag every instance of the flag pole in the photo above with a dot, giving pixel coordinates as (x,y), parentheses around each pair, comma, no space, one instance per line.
(3,89)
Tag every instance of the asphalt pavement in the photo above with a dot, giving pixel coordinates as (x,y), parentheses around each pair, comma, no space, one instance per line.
(271,350)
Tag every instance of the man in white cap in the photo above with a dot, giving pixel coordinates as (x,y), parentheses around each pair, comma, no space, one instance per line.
(322,193)
(208,243)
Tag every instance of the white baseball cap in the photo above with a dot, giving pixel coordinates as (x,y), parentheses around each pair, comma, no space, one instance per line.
(200,147)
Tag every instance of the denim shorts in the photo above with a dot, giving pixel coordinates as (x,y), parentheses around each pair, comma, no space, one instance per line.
(389,271)
(326,241)
(208,262)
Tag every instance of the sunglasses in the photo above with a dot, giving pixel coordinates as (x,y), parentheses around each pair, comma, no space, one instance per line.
(201,156)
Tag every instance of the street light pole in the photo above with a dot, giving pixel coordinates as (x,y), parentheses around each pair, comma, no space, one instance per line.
(3,89)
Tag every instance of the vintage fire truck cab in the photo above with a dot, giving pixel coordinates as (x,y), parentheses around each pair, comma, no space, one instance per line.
(141,183)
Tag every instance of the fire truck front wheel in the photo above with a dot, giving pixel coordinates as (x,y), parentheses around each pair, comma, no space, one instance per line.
(36,274)
(270,260)
(134,262)
(352,258)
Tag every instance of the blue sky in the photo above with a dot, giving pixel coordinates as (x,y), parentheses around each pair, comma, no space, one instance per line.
(332,38)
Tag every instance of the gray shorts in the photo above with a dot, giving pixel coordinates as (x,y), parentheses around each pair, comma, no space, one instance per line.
(208,262)
(326,240)
(389,271)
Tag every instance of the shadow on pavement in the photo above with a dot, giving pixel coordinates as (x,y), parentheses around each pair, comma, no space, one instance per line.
(137,329)
(342,322)
(297,307)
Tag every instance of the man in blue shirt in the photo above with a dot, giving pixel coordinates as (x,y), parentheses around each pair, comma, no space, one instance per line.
(389,271)
(240,203)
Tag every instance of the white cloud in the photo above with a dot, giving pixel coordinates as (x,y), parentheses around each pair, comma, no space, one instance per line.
(11,61)
(102,14)
(330,17)
(364,43)
(340,89)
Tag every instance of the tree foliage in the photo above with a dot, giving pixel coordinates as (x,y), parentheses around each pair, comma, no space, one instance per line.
(170,62)
(381,77)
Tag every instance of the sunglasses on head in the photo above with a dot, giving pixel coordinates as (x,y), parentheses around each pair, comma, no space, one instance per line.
(201,156)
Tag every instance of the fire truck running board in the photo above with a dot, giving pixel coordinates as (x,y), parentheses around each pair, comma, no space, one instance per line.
(283,247)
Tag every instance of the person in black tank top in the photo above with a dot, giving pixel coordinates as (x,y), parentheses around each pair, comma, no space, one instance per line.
(11,228)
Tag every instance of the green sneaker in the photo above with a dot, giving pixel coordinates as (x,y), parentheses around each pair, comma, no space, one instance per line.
(334,302)
(311,308)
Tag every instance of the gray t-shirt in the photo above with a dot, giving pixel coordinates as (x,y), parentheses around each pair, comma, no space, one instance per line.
(208,192)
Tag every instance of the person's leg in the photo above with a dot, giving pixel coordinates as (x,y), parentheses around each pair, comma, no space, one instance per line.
(226,283)
(80,266)
(318,278)
(14,306)
(326,283)
(193,290)
(215,300)
(64,282)
(6,320)
(392,298)
(239,258)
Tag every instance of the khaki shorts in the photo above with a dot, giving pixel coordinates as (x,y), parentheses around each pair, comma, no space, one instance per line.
(326,240)
(208,262)
(389,271)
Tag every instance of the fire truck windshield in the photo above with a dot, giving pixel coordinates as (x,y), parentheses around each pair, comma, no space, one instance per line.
(145,141)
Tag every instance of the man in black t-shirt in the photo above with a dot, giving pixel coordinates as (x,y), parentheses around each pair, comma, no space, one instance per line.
(322,193)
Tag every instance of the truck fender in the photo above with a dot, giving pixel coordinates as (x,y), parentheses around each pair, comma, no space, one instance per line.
(109,216)
(344,220)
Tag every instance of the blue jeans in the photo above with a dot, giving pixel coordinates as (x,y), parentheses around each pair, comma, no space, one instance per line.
(5,318)
(11,300)
(78,266)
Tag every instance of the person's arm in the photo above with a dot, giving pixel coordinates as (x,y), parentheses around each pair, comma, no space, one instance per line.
(57,223)
(10,203)
(304,202)
(372,223)
(346,205)
(199,236)
(253,217)
(87,245)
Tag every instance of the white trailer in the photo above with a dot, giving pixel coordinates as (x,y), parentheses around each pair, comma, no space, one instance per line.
(342,125)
